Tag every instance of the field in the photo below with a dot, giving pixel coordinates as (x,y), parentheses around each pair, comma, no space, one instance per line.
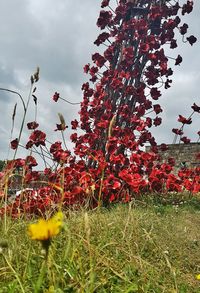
(139,247)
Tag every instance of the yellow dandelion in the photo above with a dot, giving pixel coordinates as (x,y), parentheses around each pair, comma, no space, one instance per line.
(58,218)
(198,277)
(44,230)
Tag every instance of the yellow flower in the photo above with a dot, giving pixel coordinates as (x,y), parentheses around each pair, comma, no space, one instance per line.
(198,277)
(45,229)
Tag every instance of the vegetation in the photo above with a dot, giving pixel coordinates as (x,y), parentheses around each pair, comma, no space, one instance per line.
(129,248)
(2,163)
(150,245)
(119,109)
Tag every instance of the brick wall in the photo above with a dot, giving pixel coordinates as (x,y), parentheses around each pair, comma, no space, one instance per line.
(184,154)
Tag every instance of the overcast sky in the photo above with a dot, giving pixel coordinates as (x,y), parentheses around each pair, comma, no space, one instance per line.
(58,37)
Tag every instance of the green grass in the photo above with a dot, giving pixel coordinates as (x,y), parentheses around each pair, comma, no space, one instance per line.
(138,248)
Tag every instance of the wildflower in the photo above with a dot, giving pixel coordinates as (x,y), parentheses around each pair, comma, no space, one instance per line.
(198,277)
(44,230)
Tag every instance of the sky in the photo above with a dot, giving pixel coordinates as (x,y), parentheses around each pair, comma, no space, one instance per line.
(58,37)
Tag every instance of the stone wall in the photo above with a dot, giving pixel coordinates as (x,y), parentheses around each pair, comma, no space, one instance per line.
(184,154)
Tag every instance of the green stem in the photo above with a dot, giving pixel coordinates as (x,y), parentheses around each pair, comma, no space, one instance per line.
(41,276)
(14,272)
(24,117)
(14,92)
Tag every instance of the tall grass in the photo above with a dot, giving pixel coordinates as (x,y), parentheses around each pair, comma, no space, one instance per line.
(125,249)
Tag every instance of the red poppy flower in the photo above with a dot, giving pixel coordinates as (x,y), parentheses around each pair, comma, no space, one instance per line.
(157,108)
(101,38)
(196,108)
(74,124)
(98,59)
(157,121)
(163,147)
(183,29)
(173,44)
(187,8)
(56,96)
(155,93)
(144,48)
(38,137)
(178,60)
(32,125)
(191,40)
(184,120)
(31,161)
(86,68)
(104,3)
(19,163)
(185,140)
(55,147)
(177,131)
(29,144)
(14,144)
(104,19)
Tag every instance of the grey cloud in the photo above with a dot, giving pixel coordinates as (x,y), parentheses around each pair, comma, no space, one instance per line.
(56,37)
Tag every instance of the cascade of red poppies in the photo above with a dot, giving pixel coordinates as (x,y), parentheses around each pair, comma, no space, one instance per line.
(118,111)
(128,76)
(120,105)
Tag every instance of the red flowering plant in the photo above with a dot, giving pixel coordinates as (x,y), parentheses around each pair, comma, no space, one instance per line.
(119,106)
(127,78)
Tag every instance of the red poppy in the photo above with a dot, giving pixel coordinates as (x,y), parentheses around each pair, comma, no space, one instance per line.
(104,19)
(38,138)
(14,144)
(183,29)
(101,38)
(31,161)
(191,40)
(157,121)
(32,125)
(184,120)
(188,7)
(56,96)
(185,140)
(178,60)
(155,93)
(195,108)
(173,44)
(157,108)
